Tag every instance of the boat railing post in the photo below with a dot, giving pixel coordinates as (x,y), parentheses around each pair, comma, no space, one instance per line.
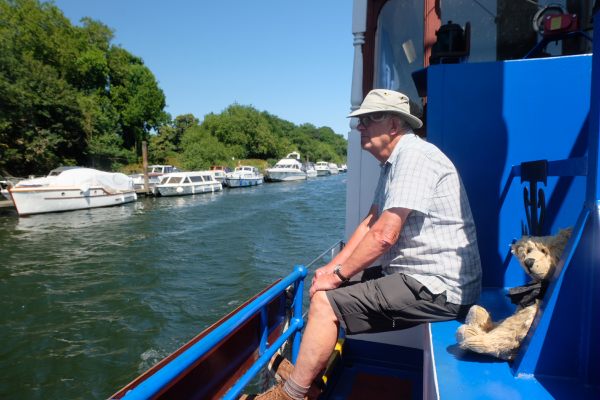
(264,327)
(297,311)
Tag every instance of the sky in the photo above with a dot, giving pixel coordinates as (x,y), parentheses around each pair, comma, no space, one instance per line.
(291,58)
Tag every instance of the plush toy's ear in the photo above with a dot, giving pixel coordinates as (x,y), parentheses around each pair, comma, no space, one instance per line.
(565,233)
(515,246)
(562,237)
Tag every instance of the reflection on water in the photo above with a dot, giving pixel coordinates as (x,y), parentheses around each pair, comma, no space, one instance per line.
(74,220)
(92,298)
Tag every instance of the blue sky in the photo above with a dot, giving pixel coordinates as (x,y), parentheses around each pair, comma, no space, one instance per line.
(290,58)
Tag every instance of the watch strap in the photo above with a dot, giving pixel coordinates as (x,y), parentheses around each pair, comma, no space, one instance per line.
(338,272)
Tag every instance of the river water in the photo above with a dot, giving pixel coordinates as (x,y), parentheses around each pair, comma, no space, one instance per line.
(92,298)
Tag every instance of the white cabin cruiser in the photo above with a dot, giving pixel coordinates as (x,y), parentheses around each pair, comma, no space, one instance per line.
(311,171)
(333,168)
(322,168)
(72,189)
(159,170)
(184,183)
(287,169)
(244,175)
(155,173)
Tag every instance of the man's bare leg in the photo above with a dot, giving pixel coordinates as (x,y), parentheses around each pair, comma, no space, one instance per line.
(318,341)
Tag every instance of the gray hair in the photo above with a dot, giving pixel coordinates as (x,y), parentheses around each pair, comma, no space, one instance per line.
(403,123)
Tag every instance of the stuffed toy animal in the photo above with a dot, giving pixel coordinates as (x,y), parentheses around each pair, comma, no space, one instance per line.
(538,255)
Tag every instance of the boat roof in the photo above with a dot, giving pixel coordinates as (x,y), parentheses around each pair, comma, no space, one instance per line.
(188,173)
(59,170)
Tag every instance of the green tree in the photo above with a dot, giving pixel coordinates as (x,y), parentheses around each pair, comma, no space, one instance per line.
(201,150)
(136,96)
(161,145)
(66,93)
(181,124)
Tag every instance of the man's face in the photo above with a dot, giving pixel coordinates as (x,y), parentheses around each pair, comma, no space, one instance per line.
(375,132)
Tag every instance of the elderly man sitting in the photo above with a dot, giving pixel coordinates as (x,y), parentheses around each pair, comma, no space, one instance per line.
(421,228)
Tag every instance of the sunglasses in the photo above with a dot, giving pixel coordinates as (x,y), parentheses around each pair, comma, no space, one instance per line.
(367,120)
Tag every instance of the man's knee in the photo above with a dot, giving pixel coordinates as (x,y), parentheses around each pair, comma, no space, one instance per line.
(320,306)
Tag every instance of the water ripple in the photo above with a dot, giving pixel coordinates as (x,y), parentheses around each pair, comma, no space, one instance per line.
(92,298)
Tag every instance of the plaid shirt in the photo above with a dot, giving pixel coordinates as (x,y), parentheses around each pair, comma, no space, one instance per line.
(438,244)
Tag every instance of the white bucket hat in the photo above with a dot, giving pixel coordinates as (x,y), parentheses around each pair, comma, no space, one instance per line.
(388,101)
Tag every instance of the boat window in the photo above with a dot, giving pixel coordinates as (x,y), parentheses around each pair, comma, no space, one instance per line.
(399,48)
(175,179)
(196,178)
(208,178)
(484,24)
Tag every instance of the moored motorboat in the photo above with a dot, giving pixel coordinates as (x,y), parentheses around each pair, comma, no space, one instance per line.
(322,168)
(287,169)
(72,189)
(154,173)
(186,183)
(311,171)
(139,184)
(5,184)
(244,175)
(220,173)
(333,168)
(160,169)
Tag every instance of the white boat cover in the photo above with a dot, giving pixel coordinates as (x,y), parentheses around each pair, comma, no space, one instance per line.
(88,177)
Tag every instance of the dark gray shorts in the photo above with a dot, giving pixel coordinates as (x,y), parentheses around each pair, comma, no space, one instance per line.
(382,303)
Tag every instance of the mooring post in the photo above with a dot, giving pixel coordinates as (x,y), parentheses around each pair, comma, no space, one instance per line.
(145,165)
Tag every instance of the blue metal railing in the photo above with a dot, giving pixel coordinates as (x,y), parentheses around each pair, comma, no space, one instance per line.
(155,383)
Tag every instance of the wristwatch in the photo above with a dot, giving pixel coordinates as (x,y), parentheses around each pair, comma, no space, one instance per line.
(337,271)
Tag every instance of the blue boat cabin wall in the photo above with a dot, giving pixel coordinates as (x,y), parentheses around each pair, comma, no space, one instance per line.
(489,117)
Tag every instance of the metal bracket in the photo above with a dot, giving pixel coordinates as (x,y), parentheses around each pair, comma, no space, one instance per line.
(534,199)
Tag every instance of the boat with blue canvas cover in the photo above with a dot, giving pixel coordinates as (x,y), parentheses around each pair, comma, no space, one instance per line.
(524,134)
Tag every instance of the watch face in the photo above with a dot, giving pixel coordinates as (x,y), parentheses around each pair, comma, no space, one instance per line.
(336,270)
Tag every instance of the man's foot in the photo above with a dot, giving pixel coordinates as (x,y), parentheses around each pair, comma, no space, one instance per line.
(281,367)
(275,393)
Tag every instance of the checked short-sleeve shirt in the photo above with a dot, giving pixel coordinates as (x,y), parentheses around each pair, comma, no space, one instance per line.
(438,244)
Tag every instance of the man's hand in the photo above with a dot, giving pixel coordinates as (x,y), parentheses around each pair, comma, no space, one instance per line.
(324,270)
(324,279)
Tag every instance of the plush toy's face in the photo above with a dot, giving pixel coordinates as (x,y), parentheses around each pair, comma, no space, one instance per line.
(538,255)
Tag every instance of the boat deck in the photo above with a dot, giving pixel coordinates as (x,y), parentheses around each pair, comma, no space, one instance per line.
(371,370)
